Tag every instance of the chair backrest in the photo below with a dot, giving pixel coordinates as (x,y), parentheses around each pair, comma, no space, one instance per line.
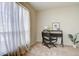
(47,36)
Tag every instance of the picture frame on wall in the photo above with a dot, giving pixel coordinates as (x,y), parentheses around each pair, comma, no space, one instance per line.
(56,25)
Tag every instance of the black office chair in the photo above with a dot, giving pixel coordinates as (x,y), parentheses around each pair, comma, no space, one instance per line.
(48,39)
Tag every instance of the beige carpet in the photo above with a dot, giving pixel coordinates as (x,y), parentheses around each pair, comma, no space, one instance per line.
(41,50)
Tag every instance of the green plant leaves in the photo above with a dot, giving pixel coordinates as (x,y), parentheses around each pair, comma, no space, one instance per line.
(74,40)
(71,37)
(77,42)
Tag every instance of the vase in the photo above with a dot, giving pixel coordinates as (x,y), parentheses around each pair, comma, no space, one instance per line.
(74,46)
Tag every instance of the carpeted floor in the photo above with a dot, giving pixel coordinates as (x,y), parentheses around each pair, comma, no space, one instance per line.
(41,50)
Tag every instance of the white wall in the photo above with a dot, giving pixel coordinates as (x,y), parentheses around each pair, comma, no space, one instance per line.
(67,16)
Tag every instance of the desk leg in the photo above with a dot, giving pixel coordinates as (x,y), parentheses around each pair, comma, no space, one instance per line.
(62,41)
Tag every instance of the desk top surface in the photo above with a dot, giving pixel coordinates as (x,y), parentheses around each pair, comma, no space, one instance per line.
(52,31)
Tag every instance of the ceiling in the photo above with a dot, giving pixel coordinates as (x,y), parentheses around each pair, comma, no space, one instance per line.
(47,5)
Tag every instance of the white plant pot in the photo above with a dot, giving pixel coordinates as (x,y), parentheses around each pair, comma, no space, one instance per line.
(74,46)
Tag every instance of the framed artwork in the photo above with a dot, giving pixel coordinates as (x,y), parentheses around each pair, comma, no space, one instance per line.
(56,26)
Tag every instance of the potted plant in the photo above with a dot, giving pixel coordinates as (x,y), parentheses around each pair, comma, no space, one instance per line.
(73,39)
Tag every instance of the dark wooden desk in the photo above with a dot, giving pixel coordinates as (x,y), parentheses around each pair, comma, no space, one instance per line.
(50,34)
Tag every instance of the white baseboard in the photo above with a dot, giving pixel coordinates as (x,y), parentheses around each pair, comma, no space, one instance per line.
(70,45)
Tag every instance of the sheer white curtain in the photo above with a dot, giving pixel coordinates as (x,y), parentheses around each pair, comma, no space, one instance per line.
(14,27)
